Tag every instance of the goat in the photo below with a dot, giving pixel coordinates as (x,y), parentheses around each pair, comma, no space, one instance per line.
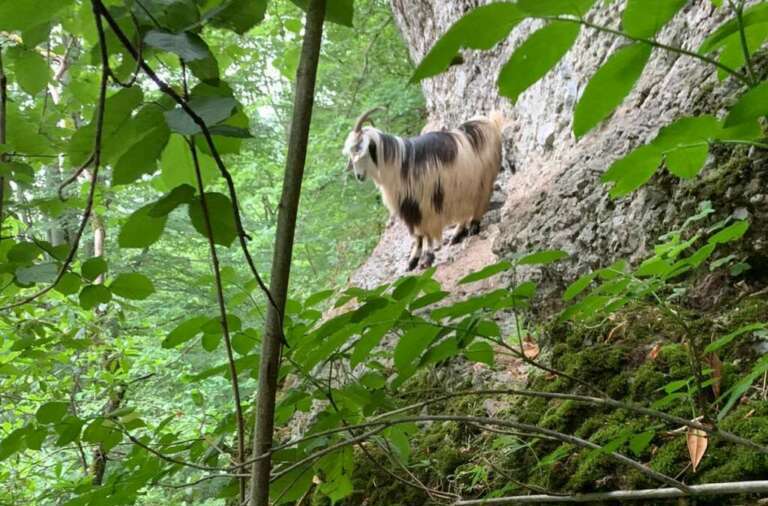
(433,180)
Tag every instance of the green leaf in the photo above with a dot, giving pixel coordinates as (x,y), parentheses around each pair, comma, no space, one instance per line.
(221,216)
(93,295)
(687,162)
(178,168)
(480,351)
(639,442)
(142,229)
(428,300)
(35,437)
(185,331)
(30,68)
(555,7)
(188,46)
(211,110)
(755,14)
(752,105)
(609,86)
(731,233)
(13,443)
(52,412)
(68,284)
(180,195)
(240,15)
(244,342)
(336,11)
(686,131)
(732,54)
(132,285)
(412,344)
(68,430)
(632,171)
(102,432)
(481,28)
(543,257)
(40,273)
(726,339)
(578,286)
(367,343)
(141,158)
(536,56)
(317,298)
(16,15)
(93,268)
(486,272)
(644,18)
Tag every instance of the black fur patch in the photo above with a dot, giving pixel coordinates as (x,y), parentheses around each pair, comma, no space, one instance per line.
(431,149)
(410,212)
(438,197)
(390,147)
(373,152)
(474,133)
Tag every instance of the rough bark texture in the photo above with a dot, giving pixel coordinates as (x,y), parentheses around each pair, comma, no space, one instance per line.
(555,198)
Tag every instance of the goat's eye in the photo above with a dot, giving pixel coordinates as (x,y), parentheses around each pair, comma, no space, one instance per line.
(359,146)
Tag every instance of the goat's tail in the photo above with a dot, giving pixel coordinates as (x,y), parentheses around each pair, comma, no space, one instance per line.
(498,120)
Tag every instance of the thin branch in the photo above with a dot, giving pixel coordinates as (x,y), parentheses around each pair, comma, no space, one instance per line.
(161,455)
(202,480)
(654,43)
(732,488)
(215,267)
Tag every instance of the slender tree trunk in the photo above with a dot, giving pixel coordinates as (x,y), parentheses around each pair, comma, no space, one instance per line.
(3,108)
(281,262)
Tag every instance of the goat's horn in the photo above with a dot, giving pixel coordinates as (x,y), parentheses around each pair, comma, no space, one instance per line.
(365,117)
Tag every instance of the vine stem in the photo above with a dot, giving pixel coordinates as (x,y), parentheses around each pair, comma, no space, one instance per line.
(654,43)
(216,268)
(739,11)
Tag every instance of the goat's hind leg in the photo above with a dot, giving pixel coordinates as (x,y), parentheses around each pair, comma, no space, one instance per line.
(461,233)
(415,256)
(429,256)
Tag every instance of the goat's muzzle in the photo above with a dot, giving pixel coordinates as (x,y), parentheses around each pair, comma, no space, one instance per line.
(360,177)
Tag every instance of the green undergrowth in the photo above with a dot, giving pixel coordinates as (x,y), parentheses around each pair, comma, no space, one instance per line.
(631,356)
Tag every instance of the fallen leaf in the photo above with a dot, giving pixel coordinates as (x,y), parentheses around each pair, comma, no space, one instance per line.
(530,348)
(697,446)
(654,353)
(717,372)
(749,415)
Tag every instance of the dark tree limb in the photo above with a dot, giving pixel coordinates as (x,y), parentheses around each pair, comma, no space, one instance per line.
(281,264)
(3,126)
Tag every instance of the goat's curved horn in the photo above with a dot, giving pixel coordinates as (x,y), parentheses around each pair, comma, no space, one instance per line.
(366,117)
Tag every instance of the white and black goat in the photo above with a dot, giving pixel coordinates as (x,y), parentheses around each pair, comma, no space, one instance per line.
(433,180)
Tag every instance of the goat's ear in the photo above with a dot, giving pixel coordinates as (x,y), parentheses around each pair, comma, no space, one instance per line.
(373,152)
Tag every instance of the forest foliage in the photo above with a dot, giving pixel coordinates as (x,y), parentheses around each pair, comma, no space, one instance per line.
(143,142)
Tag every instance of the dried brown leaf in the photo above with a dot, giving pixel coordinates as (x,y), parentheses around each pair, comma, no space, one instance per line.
(717,372)
(654,353)
(530,348)
(697,446)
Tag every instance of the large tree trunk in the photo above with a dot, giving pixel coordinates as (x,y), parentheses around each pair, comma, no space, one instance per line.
(555,199)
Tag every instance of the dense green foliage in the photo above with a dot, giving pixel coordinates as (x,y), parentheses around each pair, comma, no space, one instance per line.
(130,317)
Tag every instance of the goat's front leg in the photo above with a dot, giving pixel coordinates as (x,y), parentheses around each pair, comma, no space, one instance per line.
(413,259)
(429,256)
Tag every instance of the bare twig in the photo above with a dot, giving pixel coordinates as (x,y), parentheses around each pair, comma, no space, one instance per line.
(733,488)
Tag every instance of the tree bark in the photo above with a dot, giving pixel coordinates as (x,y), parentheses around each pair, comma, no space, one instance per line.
(281,263)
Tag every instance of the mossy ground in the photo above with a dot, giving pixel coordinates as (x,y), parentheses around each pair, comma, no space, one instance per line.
(632,356)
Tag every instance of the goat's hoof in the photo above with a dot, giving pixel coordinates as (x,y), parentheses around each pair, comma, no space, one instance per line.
(459,236)
(427,260)
(413,263)
(474,227)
